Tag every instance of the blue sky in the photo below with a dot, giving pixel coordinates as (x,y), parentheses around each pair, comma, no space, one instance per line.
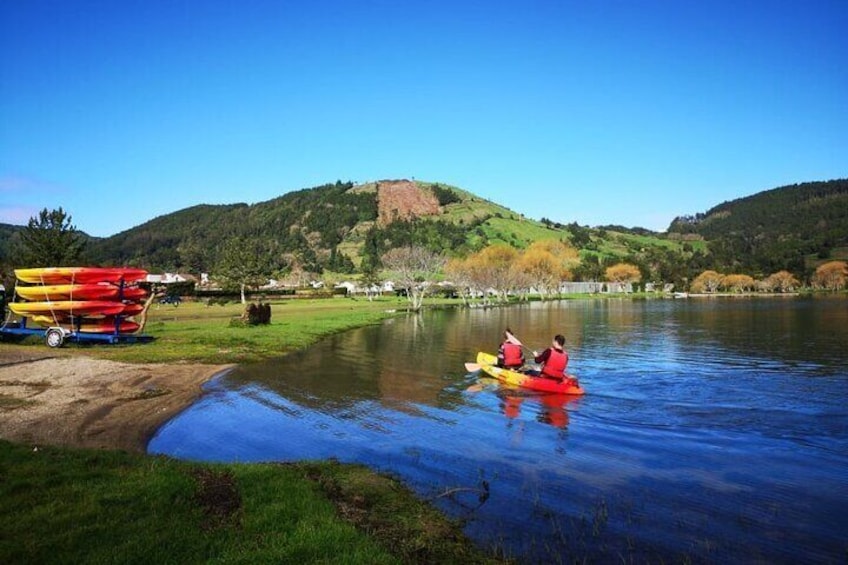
(599,112)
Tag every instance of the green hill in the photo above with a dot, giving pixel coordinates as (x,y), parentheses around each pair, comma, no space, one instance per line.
(793,227)
(345,228)
(337,226)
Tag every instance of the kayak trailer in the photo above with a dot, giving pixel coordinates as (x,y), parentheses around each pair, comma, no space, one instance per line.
(56,336)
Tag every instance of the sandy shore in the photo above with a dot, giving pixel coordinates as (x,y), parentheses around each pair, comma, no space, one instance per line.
(83,402)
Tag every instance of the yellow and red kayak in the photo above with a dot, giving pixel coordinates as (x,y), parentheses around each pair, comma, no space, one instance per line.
(129,310)
(90,325)
(92,291)
(488,364)
(107,326)
(68,308)
(83,275)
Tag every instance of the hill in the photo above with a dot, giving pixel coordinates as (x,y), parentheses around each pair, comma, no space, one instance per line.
(792,227)
(334,226)
(346,228)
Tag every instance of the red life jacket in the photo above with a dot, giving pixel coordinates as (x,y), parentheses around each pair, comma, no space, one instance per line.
(555,365)
(512,355)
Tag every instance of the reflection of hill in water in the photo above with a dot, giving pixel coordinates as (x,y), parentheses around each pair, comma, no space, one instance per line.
(397,364)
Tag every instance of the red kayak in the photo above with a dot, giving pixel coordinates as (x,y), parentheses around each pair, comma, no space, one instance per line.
(488,364)
(81,275)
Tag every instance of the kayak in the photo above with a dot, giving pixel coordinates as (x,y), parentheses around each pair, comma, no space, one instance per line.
(488,364)
(133,293)
(105,325)
(91,291)
(63,275)
(61,316)
(68,307)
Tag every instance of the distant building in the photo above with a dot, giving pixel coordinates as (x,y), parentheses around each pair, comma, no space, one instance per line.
(170,278)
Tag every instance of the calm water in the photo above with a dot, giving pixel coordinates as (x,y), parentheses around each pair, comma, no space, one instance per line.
(713,430)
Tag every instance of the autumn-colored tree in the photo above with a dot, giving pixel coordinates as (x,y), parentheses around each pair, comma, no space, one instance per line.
(738,283)
(708,281)
(541,269)
(781,281)
(493,269)
(831,275)
(567,255)
(623,273)
(548,262)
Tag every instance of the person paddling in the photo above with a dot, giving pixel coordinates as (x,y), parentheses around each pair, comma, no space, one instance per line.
(509,352)
(554,359)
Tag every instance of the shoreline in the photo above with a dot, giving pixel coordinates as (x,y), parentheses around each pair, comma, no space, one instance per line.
(80,401)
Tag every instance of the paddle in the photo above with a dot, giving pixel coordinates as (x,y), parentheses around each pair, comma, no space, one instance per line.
(512,339)
(472,367)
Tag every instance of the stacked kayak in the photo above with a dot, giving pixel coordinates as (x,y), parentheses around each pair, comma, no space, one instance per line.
(80,275)
(489,364)
(86,299)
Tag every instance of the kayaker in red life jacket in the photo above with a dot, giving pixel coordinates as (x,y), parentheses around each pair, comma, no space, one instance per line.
(509,352)
(554,359)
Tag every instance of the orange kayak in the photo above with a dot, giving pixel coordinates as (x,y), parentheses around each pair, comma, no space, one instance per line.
(64,275)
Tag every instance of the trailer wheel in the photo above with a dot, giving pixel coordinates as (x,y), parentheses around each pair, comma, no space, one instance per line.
(54,337)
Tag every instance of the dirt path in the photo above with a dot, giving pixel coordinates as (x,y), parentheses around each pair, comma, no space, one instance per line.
(84,402)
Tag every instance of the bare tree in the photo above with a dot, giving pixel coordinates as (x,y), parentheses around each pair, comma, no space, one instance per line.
(415,269)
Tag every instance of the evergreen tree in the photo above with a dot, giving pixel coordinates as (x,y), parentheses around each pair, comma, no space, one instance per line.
(244,263)
(51,240)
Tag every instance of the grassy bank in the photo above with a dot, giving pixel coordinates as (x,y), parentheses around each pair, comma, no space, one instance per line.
(80,506)
(197,332)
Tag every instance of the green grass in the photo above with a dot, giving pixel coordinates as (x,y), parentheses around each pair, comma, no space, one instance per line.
(200,333)
(519,233)
(81,506)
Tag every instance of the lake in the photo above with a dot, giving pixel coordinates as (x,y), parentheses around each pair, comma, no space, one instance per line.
(712,430)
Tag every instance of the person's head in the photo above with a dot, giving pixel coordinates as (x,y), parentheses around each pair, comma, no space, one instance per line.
(559,341)
(507,333)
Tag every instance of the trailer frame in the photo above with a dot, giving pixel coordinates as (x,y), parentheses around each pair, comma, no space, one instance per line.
(57,336)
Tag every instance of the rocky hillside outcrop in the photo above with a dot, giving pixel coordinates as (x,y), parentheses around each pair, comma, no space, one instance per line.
(404,200)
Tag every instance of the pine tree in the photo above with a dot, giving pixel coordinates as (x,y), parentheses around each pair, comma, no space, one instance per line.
(51,240)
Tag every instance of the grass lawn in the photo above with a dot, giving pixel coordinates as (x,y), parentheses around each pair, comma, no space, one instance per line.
(82,506)
(196,332)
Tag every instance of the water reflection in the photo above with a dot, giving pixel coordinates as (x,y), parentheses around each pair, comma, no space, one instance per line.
(516,403)
(711,431)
